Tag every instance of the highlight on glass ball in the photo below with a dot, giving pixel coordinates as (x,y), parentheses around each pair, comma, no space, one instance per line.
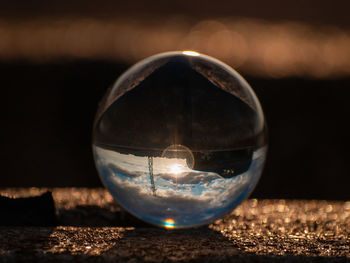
(180,140)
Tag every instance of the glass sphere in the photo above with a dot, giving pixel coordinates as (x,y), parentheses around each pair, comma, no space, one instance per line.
(179,140)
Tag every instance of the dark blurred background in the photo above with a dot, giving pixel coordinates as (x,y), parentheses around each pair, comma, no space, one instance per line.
(57,59)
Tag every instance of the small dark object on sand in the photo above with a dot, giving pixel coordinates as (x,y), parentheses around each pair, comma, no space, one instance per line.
(29,211)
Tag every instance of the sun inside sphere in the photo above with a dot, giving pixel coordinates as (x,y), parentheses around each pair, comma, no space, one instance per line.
(179,140)
(176,169)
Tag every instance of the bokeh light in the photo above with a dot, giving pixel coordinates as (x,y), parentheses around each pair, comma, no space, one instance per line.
(169,223)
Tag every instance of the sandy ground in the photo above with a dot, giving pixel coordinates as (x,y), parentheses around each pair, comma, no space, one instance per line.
(91,227)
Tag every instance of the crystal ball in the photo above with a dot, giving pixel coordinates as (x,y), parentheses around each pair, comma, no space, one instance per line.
(179,140)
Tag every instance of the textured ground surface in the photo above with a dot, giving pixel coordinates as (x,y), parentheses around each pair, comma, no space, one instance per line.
(92,228)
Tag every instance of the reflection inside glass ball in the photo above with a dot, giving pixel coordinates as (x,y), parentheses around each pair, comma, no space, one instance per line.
(180,139)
